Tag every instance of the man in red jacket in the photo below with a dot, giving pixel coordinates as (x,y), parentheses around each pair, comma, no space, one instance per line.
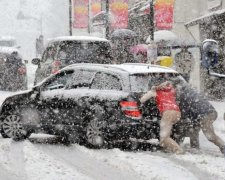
(165,95)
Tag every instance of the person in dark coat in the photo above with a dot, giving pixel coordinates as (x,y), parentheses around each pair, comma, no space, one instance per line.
(13,62)
(198,109)
(40,46)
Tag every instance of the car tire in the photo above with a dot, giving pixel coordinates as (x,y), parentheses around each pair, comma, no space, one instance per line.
(94,134)
(12,127)
(4,135)
(2,131)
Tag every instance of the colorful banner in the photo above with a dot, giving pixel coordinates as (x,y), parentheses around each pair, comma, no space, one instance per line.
(96,7)
(164,14)
(80,8)
(119,13)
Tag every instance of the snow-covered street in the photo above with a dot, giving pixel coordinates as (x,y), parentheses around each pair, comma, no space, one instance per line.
(60,22)
(36,159)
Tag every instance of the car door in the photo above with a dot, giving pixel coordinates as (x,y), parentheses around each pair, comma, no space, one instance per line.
(76,94)
(108,89)
(51,93)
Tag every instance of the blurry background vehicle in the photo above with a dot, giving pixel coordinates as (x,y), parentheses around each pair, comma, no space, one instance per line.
(13,72)
(63,51)
(8,41)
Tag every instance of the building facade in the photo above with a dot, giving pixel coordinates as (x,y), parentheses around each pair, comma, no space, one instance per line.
(210,24)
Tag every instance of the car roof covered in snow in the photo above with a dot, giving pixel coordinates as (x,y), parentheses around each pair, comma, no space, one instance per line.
(8,50)
(131,68)
(78,38)
(7,38)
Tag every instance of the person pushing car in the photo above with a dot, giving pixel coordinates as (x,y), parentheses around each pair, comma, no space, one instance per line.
(198,109)
(165,96)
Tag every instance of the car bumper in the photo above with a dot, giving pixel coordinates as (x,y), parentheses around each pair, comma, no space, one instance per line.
(141,129)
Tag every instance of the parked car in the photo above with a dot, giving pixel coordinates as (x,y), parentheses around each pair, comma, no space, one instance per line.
(63,51)
(94,104)
(8,41)
(13,73)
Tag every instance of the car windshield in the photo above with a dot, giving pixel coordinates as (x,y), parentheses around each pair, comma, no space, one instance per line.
(77,51)
(7,43)
(144,82)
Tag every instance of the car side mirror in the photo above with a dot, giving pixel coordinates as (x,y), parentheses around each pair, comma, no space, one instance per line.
(36,61)
(210,52)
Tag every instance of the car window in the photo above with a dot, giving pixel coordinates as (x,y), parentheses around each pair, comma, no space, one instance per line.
(81,79)
(106,82)
(7,43)
(59,81)
(70,52)
(144,82)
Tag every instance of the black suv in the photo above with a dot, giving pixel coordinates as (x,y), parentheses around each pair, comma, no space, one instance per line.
(90,103)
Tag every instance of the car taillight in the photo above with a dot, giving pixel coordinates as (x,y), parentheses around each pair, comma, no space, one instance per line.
(56,66)
(130,109)
(22,70)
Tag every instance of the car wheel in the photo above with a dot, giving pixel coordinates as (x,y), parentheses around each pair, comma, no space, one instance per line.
(12,127)
(94,133)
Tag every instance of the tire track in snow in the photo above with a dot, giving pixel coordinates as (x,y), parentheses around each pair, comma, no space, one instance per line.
(40,166)
(191,166)
(147,166)
(80,160)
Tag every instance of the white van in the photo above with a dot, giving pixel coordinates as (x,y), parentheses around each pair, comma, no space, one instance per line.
(63,51)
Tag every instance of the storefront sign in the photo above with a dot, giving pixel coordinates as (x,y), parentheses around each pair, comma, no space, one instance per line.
(119,11)
(164,14)
(80,13)
(213,4)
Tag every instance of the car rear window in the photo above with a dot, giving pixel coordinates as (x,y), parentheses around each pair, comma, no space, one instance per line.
(143,82)
(84,51)
(106,81)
